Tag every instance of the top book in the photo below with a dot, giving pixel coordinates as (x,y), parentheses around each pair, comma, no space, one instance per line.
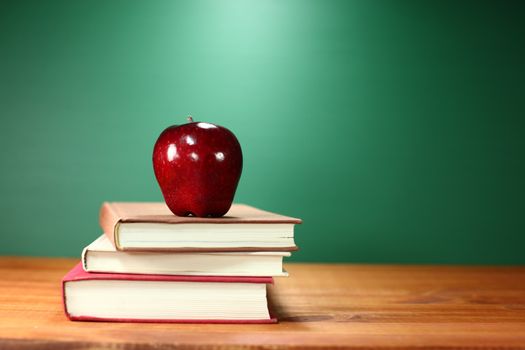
(152,227)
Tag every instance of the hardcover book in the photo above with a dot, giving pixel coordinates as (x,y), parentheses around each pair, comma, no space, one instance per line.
(152,226)
(101,256)
(161,298)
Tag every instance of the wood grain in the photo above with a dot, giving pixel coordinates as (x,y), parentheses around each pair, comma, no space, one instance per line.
(319,305)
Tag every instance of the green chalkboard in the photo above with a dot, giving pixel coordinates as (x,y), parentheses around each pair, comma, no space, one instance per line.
(395,129)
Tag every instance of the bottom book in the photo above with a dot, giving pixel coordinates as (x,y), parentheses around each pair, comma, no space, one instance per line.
(162,298)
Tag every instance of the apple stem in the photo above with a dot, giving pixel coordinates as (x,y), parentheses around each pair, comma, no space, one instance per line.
(190,119)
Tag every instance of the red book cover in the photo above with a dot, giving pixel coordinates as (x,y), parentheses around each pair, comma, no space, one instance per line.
(78,274)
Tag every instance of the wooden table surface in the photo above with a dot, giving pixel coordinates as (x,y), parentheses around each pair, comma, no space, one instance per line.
(345,306)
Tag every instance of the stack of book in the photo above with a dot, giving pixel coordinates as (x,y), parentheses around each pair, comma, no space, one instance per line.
(153,266)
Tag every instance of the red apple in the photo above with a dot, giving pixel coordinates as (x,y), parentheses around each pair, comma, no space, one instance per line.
(197,166)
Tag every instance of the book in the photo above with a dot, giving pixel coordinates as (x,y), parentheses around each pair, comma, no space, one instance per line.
(152,226)
(101,256)
(161,298)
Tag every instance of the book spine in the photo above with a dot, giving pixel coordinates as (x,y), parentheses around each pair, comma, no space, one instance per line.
(83,259)
(109,220)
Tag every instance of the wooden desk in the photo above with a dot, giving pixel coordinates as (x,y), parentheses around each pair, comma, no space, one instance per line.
(346,306)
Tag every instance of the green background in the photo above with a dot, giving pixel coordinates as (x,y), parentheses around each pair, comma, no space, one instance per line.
(395,129)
